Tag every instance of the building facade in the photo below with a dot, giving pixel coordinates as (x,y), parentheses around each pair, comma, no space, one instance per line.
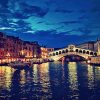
(87,45)
(2,46)
(45,52)
(12,49)
(97,46)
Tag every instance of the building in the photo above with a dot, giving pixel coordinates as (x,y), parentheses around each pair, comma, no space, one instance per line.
(2,46)
(87,45)
(27,50)
(36,50)
(45,52)
(12,49)
(97,46)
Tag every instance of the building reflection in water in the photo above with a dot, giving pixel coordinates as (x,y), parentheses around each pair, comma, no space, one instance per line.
(23,78)
(41,77)
(90,76)
(73,80)
(15,85)
(56,80)
(5,77)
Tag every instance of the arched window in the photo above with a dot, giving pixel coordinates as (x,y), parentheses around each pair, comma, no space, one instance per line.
(63,51)
(66,50)
(95,54)
(91,53)
(76,50)
(84,51)
(53,54)
(59,52)
(80,51)
(87,52)
(56,53)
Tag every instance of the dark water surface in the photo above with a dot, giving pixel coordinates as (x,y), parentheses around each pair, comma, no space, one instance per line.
(51,81)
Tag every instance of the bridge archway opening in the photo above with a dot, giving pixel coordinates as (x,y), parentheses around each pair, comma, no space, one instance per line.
(87,52)
(53,54)
(77,50)
(56,53)
(80,51)
(59,52)
(84,51)
(91,53)
(95,54)
(66,50)
(63,51)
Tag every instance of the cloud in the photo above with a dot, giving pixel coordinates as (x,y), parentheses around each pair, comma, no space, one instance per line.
(83,17)
(33,10)
(70,22)
(63,11)
(6,28)
(52,38)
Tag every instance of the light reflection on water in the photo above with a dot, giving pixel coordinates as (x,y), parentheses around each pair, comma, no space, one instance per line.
(61,81)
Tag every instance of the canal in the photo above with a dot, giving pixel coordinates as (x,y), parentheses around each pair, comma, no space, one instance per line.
(51,81)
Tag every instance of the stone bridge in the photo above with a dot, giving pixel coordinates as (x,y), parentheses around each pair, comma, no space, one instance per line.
(71,50)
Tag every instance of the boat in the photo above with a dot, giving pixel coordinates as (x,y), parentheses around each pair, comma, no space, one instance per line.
(18,65)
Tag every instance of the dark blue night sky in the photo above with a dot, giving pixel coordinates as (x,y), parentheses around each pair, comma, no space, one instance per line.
(54,23)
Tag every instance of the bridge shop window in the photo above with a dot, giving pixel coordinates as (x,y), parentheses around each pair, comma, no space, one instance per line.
(50,55)
(53,54)
(91,53)
(80,51)
(59,52)
(63,51)
(95,54)
(76,50)
(84,51)
(87,52)
(56,53)
(66,50)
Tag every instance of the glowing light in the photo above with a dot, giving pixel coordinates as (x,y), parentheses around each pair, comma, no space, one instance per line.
(72,67)
(90,77)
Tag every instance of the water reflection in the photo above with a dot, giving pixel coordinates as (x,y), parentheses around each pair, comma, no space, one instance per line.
(42,81)
(73,80)
(61,81)
(90,77)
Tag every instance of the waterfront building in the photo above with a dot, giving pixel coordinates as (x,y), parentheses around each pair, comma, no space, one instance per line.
(36,50)
(2,46)
(45,52)
(87,45)
(12,49)
(27,50)
(97,46)
(13,46)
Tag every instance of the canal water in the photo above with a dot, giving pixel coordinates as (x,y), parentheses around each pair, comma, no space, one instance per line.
(51,81)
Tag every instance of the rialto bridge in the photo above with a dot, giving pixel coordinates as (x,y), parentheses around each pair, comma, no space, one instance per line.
(71,50)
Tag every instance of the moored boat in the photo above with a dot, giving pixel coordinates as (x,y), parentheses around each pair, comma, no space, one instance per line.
(19,65)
